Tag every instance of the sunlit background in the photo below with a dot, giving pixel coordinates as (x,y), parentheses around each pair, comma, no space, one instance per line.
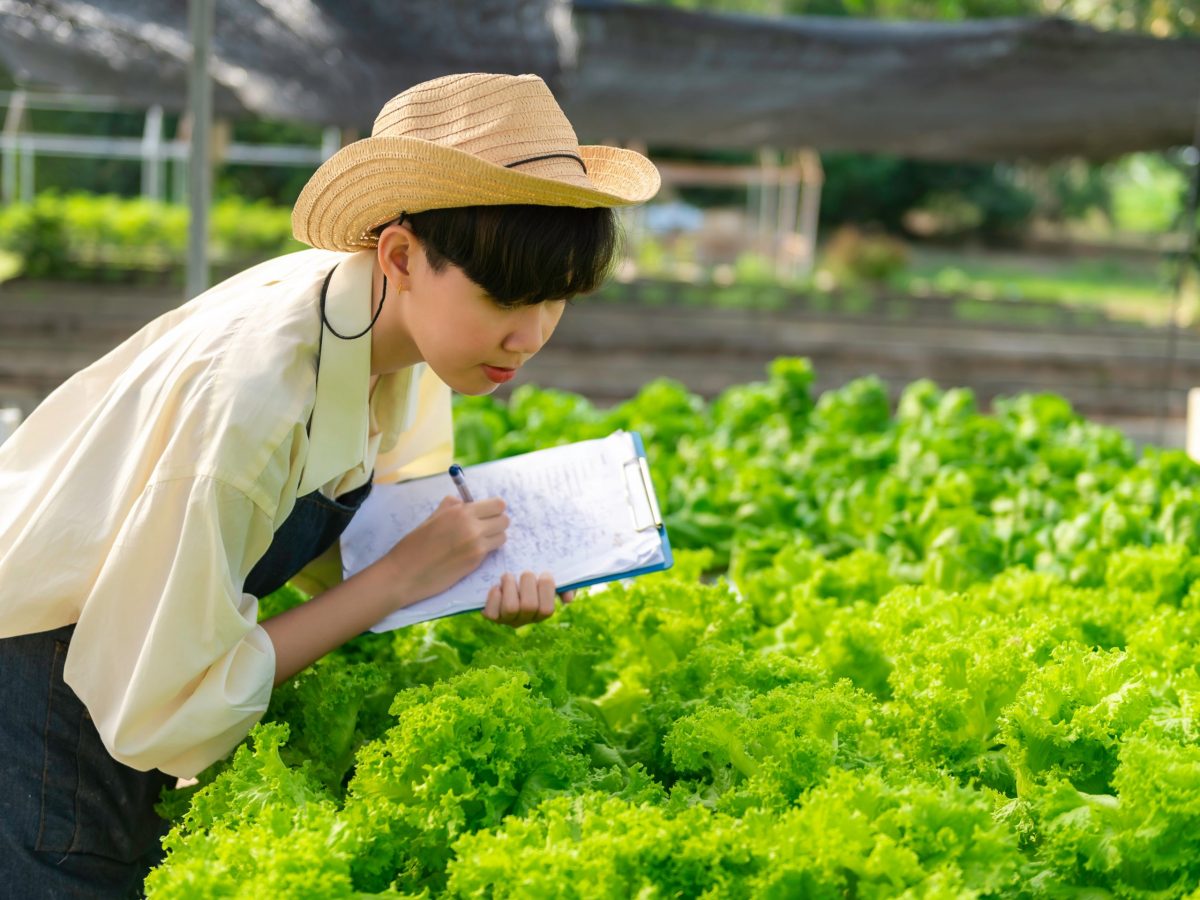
(1005,271)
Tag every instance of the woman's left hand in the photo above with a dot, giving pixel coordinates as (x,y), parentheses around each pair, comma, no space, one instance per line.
(518,602)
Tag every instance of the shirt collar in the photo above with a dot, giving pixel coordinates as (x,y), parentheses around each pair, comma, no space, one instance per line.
(339,436)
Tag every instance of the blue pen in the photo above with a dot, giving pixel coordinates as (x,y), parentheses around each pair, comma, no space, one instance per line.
(456,475)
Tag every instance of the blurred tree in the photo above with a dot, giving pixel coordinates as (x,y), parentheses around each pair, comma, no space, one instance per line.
(1070,189)
(1161,18)
(75,173)
(279,184)
(881,190)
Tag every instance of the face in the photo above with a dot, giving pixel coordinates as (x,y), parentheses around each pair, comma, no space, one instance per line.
(471,343)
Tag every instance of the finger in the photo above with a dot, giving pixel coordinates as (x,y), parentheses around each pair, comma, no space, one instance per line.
(486,509)
(510,603)
(567,596)
(492,542)
(545,591)
(528,591)
(491,607)
(495,525)
(448,502)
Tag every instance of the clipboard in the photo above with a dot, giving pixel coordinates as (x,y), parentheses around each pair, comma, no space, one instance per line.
(602,484)
(641,497)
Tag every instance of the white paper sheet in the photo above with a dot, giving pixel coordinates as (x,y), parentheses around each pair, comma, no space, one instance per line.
(571,513)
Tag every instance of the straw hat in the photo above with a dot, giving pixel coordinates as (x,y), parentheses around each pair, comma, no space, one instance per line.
(463,140)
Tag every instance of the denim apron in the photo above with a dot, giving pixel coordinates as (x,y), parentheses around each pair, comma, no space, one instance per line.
(74,822)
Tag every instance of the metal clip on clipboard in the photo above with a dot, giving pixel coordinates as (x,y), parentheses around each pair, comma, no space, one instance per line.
(640,488)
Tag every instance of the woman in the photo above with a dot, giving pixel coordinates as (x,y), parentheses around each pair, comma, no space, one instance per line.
(156,495)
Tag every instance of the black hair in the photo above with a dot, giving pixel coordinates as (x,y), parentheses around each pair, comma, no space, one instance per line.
(522,254)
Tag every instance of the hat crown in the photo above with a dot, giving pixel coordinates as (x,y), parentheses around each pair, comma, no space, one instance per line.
(463,140)
(507,120)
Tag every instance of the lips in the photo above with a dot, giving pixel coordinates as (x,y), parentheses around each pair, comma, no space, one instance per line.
(498,375)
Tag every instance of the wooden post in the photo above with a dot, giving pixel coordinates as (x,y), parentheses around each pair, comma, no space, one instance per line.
(812,178)
(789,200)
(633,219)
(768,165)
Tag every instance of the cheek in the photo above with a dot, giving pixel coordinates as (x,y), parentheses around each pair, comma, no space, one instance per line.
(463,339)
(554,314)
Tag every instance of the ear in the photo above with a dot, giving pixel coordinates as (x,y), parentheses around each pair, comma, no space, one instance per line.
(395,253)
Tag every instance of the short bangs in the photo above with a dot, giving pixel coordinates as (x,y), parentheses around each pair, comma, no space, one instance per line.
(522,254)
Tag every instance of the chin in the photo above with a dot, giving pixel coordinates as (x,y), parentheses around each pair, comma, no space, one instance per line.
(471,387)
(476,392)
(461,382)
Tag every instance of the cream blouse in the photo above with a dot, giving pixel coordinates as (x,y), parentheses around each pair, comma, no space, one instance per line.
(136,497)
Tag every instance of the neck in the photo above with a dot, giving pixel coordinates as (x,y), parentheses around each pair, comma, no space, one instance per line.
(392,347)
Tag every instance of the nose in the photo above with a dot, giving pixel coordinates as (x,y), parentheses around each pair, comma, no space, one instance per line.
(529,328)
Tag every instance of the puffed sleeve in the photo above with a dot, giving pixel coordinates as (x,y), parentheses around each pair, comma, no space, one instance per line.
(167,655)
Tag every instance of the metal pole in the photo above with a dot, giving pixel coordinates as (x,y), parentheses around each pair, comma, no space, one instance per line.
(200,24)
(152,154)
(12,125)
(27,161)
(179,163)
(331,141)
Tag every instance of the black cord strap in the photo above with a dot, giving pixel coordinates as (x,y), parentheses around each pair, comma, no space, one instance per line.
(574,156)
(334,331)
(378,310)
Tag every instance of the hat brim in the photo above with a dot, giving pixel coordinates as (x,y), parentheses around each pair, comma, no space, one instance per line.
(372,181)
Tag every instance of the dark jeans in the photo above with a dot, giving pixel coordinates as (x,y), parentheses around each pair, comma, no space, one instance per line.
(74,822)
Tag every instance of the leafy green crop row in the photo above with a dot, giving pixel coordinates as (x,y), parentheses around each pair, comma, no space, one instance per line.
(928,653)
(89,237)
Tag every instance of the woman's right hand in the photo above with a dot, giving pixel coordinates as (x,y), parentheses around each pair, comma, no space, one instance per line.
(446,547)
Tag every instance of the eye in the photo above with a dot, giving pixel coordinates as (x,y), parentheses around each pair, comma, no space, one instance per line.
(499,304)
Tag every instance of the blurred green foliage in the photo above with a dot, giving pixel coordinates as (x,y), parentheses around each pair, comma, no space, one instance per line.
(90,237)
(853,256)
